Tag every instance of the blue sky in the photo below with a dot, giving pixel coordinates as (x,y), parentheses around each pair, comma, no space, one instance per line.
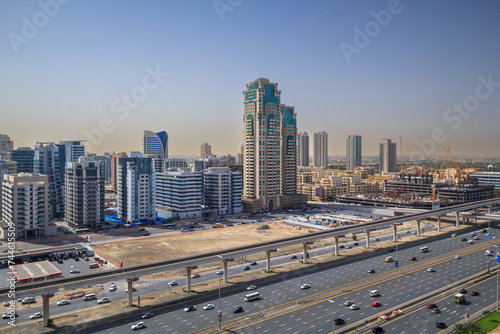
(68,77)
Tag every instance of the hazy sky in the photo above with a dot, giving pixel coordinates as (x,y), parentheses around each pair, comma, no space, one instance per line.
(104,71)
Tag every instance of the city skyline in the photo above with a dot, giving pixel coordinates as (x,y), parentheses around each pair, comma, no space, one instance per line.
(425,71)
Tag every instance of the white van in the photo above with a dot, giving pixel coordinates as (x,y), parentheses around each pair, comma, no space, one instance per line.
(424,249)
(488,252)
(252,296)
(373,293)
(90,296)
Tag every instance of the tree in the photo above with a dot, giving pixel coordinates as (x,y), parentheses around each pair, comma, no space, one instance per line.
(354,237)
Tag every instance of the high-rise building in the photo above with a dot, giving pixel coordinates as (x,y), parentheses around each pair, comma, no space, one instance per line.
(353,152)
(73,150)
(4,170)
(25,158)
(175,163)
(239,159)
(303,149)
(387,156)
(270,131)
(6,145)
(49,158)
(84,194)
(25,203)
(136,189)
(114,169)
(155,143)
(320,149)
(178,194)
(222,190)
(206,151)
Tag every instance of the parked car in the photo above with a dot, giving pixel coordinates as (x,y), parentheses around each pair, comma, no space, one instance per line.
(138,325)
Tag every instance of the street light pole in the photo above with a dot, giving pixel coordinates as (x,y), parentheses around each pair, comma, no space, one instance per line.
(219,313)
(333,311)
(498,270)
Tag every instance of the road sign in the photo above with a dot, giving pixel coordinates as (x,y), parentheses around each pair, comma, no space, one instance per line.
(498,258)
(488,235)
(396,263)
(219,315)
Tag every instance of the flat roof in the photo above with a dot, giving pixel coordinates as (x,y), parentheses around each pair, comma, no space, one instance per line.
(35,270)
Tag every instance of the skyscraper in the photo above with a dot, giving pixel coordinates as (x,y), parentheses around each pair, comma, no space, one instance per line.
(387,156)
(24,156)
(73,150)
(155,143)
(353,151)
(269,149)
(320,149)
(6,145)
(206,151)
(114,169)
(303,149)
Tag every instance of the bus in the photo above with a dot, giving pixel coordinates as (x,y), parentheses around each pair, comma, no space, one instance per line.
(424,249)
(167,226)
(252,296)
(93,265)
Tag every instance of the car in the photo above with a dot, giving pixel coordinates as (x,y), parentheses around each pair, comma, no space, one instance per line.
(472,234)
(474,293)
(348,247)
(146,234)
(87,259)
(354,307)
(390,250)
(305,286)
(453,235)
(413,232)
(74,271)
(112,288)
(373,293)
(148,315)
(348,303)
(371,271)
(208,307)
(142,229)
(77,258)
(338,321)
(195,275)
(341,246)
(172,283)
(431,305)
(59,261)
(355,244)
(8,315)
(458,257)
(388,259)
(63,302)
(376,239)
(133,289)
(138,325)
(440,324)
(252,287)
(463,239)
(293,257)
(470,242)
(245,268)
(6,303)
(376,304)
(488,252)
(220,272)
(36,315)
(103,300)
(413,258)
(238,309)
(190,308)
(253,263)
(377,329)
(462,290)
(476,237)
(484,231)
(435,310)
(430,270)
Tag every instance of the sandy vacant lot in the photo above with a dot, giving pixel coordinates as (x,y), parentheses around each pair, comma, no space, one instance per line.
(176,245)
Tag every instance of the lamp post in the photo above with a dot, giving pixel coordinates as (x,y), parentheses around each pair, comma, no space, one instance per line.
(333,311)
(219,312)
(498,270)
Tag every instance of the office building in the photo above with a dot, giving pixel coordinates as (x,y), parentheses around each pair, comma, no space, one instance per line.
(4,170)
(108,162)
(320,150)
(25,159)
(155,143)
(387,156)
(487,178)
(6,145)
(73,150)
(25,205)
(84,194)
(353,152)
(303,149)
(206,151)
(288,151)
(222,190)
(179,194)
(175,163)
(263,147)
(114,169)
(239,158)
(136,189)
(11,166)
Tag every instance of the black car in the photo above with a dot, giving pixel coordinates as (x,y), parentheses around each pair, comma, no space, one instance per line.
(463,239)
(355,244)
(462,290)
(59,261)
(440,324)
(391,250)
(77,258)
(341,246)
(338,321)
(238,309)
(377,329)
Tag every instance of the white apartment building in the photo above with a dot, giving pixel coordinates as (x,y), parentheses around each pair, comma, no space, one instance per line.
(222,190)
(179,195)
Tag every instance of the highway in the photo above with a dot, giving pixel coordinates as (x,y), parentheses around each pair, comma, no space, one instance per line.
(319,313)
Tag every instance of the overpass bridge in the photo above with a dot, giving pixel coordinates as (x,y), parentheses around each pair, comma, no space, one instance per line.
(133,273)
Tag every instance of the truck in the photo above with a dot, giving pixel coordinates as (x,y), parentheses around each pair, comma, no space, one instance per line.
(459,298)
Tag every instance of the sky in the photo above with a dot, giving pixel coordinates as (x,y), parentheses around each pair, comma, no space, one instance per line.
(104,71)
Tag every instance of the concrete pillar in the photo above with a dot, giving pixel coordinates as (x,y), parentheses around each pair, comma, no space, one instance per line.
(129,293)
(418,228)
(439,223)
(367,239)
(224,270)
(394,233)
(304,250)
(268,261)
(457,224)
(489,210)
(45,310)
(188,279)
(336,246)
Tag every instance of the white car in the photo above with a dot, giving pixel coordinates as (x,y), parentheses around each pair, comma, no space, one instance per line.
(112,288)
(347,303)
(36,315)
(103,300)
(190,308)
(354,307)
(305,286)
(458,257)
(74,271)
(373,293)
(376,239)
(431,270)
(138,325)
(470,241)
(63,302)
(453,235)
(252,287)
(172,283)
(208,307)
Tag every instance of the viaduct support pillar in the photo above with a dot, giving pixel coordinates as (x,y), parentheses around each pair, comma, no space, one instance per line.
(224,271)
(368,239)
(188,279)
(394,233)
(304,253)
(129,289)
(268,261)
(457,223)
(336,246)
(45,310)
(418,227)
(439,223)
